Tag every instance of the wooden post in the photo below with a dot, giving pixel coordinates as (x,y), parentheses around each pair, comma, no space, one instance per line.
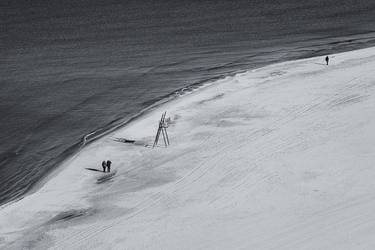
(162,128)
(166,134)
(165,141)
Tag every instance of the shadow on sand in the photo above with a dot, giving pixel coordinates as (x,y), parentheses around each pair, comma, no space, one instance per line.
(107,177)
(133,142)
(321,64)
(124,140)
(94,169)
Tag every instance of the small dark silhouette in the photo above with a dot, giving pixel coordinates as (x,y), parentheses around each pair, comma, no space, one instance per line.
(104,165)
(327,59)
(109,165)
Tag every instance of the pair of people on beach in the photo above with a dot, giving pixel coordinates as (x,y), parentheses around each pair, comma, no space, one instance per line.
(106,165)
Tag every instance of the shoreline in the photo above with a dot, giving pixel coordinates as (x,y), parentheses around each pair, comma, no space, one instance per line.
(179,93)
(366,37)
(241,125)
(164,100)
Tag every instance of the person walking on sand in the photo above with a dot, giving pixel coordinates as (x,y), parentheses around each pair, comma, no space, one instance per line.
(327,59)
(104,165)
(109,165)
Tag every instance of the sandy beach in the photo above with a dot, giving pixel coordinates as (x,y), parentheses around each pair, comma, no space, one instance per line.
(280,157)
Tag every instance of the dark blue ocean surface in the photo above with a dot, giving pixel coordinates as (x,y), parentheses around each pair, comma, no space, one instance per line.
(69,68)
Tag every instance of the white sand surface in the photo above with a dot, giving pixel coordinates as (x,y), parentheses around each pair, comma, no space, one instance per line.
(281,157)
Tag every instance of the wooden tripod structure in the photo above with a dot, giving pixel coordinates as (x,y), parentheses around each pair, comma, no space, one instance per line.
(163,130)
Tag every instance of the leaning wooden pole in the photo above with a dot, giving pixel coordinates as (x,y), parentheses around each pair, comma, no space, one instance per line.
(162,128)
(164,139)
(159,130)
(156,138)
(166,135)
(157,133)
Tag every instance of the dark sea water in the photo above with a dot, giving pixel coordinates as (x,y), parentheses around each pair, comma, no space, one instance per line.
(71,68)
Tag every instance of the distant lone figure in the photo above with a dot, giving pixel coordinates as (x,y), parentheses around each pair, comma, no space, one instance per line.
(109,165)
(327,59)
(104,165)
